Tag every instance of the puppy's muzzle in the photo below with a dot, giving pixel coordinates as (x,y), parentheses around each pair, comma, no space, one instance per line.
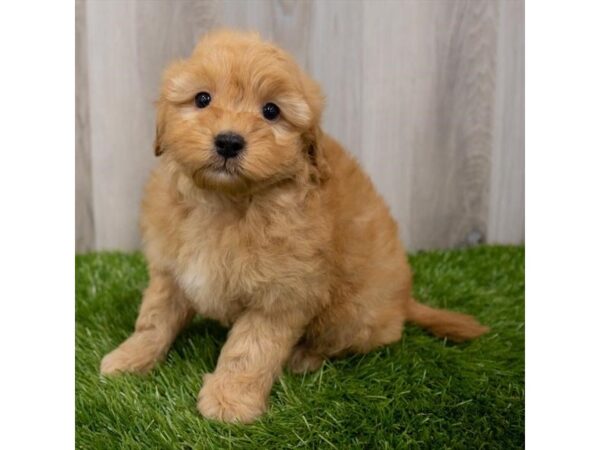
(229,144)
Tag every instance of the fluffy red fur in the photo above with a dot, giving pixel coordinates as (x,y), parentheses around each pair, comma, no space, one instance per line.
(288,243)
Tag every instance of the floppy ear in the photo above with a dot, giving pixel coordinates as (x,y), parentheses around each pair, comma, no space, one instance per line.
(160,128)
(315,150)
(314,138)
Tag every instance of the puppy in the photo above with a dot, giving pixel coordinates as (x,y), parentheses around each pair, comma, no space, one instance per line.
(256,218)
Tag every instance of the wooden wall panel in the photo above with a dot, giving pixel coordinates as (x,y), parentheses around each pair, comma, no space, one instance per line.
(336,62)
(451,162)
(427,94)
(506,221)
(394,82)
(84,209)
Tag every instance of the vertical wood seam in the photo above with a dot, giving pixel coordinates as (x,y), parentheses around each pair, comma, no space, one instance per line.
(85,235)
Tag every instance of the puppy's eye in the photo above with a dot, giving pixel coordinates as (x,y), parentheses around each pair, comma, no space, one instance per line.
(202,99)
(271,111)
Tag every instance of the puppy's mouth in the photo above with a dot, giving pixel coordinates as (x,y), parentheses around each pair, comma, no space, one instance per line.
(220,173)
(222,167)
(228,166)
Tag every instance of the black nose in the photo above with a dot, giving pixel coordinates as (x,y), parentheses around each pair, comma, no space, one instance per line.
(229,144)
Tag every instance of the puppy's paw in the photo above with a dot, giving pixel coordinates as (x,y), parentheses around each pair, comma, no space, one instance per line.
(120,361)
(303,360)
(221,398)
(138,354)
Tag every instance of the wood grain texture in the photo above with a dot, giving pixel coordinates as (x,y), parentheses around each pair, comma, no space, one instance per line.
(390,100)
(506,221)
(84,211)
(451,162)
(427,94)
(336,62)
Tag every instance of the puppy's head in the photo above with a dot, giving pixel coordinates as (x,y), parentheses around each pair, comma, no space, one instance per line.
(239,115)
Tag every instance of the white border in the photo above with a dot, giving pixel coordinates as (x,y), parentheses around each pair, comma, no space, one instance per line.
(37,235)
(562,224)
(37,224)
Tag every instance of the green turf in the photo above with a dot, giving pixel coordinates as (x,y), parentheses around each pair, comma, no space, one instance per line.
(421,392)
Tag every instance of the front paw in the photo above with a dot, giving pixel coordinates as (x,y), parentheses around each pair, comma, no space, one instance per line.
(224,398)
(138,354)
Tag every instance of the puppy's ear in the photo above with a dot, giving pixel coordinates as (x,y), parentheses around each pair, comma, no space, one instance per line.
(159,147)
(313,138)
(315,151)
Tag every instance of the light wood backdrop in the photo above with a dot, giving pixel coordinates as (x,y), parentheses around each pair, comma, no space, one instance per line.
(429,95)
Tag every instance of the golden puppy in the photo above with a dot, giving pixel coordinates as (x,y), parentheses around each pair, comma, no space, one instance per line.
(256,218)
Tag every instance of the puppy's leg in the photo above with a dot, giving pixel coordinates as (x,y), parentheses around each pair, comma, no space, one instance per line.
(250,361)
(164,312)
(348,328)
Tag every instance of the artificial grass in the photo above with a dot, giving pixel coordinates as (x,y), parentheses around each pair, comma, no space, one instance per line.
(421,392)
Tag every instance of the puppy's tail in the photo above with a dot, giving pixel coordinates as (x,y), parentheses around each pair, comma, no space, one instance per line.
(443,323)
